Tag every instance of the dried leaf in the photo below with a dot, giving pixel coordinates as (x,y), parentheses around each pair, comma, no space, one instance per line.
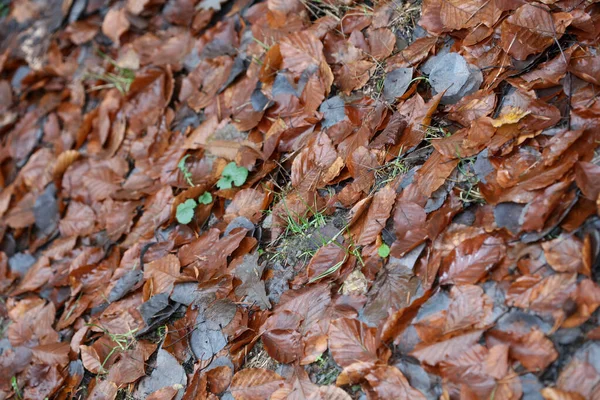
(472,260)
(350,341)
(254,384)
(532,29)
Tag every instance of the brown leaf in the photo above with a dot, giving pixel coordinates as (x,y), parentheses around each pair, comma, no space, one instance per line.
(445,348)
(115,24)
(546,75)
(248,203)
(387,382)
(165,393)
(102,183)
(411,56)
(434,173)
(311,304)
(469,308)
(252,289)
(21,215)
(587,176)
(381,43)
(329,392)
(472,107)
(219,379)
(532,29)
(163,272)
(472,259)
(255,384)
(545,295)
(91,359)
(559,144)
(103,390)
(579,377)
(557,394)
(484,371)
(53,354)
(79,220)
(131,365)
(156,210)
(533,349)
(327,257)
(350,341)
(378,213)
(353,75)
(585,63)
(300,51)
(271,64)
(392,290)
(564,254)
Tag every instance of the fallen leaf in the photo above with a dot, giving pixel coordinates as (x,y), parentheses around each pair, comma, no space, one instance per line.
(350,341)
(255,384)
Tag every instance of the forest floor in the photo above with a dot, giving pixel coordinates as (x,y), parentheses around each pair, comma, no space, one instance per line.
(299,199)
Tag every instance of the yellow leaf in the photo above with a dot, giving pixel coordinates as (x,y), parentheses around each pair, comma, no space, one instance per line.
(511,116)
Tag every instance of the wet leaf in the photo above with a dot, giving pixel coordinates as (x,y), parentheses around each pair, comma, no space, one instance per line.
(387,382)
(472,260)
(586,176)
(531,29)
(564,254)
(350,341)
(472,107)
(255,384)
(545,295)
(445,348)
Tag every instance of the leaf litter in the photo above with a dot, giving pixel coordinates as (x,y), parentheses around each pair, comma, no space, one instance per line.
(299,199)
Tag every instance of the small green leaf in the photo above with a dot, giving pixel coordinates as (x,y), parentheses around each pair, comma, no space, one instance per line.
(185,211)
(205,198)
(224,183)
(181,163)
(232,174)
(15,386)
(383,250)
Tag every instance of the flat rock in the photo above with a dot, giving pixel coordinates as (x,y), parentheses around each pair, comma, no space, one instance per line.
(452,73)
(168,372)
(396,83)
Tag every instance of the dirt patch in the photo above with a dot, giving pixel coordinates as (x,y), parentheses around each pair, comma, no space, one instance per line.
(259,358)
(325,371)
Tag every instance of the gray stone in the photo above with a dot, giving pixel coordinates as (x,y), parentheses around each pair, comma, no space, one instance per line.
(452,73)
(168,372)
(396,83)
(20,263)
(334,111)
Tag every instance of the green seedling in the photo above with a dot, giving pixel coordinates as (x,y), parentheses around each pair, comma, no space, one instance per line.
(205,198)
(15,386)
(232,176)
(383,250)
(121,78)
(185,211)
(187,175)
(123,342)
